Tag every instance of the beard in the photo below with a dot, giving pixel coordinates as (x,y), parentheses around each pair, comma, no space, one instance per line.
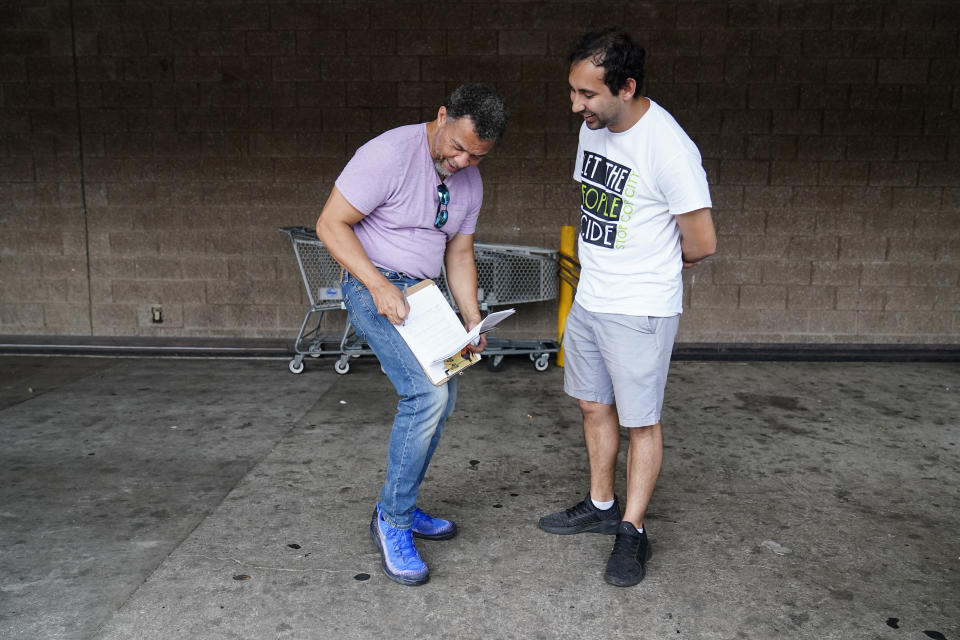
(441,170)
(440,164)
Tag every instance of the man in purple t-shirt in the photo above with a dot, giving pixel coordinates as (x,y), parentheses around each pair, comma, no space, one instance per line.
(404,206)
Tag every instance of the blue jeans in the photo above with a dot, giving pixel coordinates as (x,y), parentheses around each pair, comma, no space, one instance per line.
(423,408)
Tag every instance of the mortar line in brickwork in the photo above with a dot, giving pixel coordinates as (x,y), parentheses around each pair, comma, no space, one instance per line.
(83,172)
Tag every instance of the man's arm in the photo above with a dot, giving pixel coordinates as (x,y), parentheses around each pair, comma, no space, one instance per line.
(462,280)
(698,238)
(335,230)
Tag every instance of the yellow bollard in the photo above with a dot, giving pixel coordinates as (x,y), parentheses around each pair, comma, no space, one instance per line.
(568,249)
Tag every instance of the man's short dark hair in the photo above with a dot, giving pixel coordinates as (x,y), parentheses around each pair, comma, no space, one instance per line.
(478,102)
(614,50)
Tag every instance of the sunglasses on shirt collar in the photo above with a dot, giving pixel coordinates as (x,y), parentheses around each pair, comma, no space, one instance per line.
(443,194)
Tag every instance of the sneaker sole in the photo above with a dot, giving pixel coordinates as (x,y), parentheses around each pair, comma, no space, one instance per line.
(629,583)
(437,536)
(410,582)
(607,527)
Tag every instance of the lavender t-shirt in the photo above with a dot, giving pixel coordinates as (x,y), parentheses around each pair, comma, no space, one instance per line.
(392,180)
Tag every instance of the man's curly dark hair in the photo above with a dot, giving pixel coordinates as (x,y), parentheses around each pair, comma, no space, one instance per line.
(614,50)
(478,102)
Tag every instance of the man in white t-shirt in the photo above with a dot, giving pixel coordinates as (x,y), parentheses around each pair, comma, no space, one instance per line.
(644,215)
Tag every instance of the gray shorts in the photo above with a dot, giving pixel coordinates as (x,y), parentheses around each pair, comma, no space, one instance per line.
(619,359)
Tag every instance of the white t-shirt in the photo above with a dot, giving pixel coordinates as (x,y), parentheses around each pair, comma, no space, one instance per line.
(632,183)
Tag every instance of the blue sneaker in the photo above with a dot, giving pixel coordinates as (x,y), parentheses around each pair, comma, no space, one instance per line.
(430,528)
(401,562)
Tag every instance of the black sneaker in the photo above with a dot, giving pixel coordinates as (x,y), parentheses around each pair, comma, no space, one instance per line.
(583,517)
(631,550)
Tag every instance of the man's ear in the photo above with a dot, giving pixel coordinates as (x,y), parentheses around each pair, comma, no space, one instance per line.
(629,90)
(442,116)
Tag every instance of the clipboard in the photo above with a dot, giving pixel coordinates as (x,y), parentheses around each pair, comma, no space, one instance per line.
(435,334)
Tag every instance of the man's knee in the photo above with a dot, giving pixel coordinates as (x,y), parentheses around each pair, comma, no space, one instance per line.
(645,432)
(590,408)
(436,400)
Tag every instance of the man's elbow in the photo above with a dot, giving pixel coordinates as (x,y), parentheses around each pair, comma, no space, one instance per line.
(701,251)
(707,251)
(321,227)
(710,248)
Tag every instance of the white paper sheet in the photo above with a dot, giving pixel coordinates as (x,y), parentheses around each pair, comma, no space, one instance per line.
(433,331)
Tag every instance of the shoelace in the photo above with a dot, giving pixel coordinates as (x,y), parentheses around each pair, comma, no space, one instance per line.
(403,544)
(427,522)
(618,546)
(579,509)
(625,546)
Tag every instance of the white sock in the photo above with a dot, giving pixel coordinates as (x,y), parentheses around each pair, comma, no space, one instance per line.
(603,506)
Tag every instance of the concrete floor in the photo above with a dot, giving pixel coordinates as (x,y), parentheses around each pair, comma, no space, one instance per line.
(216,499)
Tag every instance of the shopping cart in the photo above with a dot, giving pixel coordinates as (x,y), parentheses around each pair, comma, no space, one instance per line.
(506,275)
(321,277)
(510,274)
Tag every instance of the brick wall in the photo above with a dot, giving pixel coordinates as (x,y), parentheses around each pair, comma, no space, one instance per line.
(148,151)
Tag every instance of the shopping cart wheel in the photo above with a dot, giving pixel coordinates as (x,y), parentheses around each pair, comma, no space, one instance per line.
(296,365)
(341,366)
(495,363)
(542,362)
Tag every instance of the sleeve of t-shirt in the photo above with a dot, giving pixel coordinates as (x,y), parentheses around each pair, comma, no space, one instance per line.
(370,176)
(469,224)
(684,184)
